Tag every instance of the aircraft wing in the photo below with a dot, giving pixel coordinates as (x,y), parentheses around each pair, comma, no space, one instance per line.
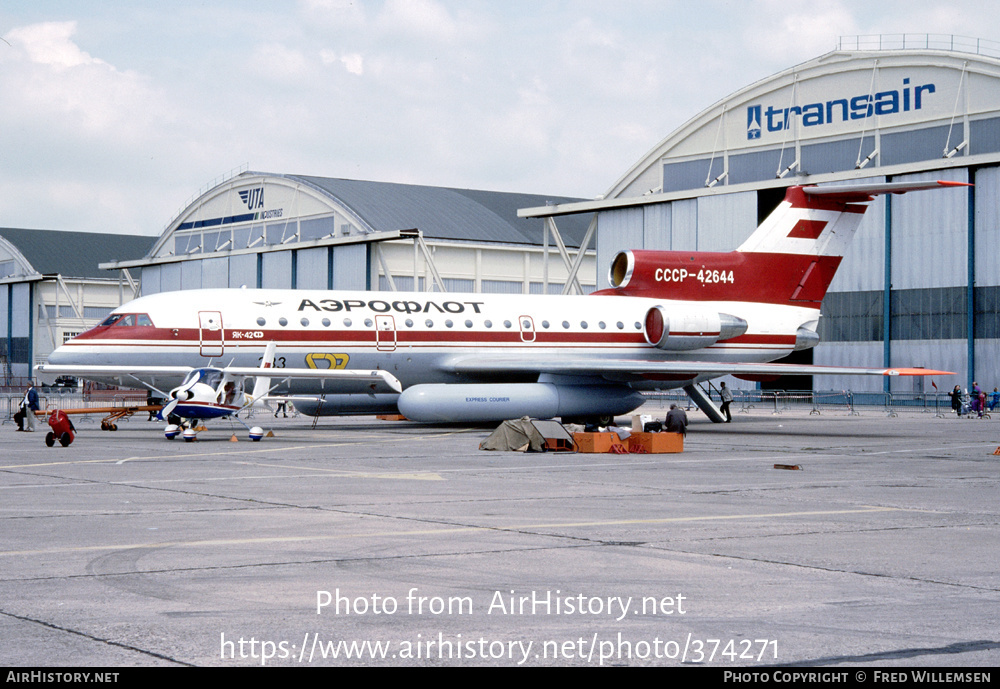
(133,374)
(377,376)
(638,369)
(84,371)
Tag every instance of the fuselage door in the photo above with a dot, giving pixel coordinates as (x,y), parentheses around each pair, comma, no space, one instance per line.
(385,333)
(527,326)
(210,333)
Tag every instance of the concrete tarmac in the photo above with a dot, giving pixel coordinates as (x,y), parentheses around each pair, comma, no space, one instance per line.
(365,542)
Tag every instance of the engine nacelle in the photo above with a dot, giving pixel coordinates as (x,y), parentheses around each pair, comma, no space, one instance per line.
(468,403)
(768,278)
(682,331)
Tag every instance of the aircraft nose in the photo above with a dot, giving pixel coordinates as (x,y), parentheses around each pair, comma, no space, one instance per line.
(60,356)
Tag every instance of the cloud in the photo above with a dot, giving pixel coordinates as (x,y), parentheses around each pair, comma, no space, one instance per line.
(49,44)
(279,63)
(114,119)
(353,63)
(782,33)
(424,19)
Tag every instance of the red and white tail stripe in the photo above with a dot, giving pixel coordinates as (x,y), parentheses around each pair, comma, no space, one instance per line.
(790,258)
(821,221)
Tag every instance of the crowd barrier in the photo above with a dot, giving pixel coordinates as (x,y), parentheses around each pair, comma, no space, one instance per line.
(848,402)
(72,399)
(744,401)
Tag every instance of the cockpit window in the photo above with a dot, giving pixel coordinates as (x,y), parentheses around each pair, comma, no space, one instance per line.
(127,320)
(207,376)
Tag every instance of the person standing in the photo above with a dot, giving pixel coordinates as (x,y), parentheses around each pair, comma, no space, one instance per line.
(956,400)
(726,395)
(30,405)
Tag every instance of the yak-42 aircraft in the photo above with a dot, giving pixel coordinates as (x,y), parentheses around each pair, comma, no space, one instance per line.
(670,319)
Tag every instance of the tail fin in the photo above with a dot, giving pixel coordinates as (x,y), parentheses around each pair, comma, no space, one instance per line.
(790,258)
(262,384)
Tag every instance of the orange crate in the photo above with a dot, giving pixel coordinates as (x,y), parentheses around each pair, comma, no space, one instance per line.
(596,442)
(656,443)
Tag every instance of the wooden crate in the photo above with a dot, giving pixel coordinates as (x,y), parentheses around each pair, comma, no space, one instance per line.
(656,443)
(558,445)
(597,442)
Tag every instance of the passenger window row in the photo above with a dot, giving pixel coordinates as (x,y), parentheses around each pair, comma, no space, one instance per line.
(429,323)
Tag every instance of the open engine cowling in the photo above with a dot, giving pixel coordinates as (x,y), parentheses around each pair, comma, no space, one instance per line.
(689,330)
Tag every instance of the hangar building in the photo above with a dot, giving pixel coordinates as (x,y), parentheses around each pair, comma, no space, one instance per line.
(267,230)
(51,289)
(921,282)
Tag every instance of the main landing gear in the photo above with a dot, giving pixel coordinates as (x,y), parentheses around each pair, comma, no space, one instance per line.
(190,434)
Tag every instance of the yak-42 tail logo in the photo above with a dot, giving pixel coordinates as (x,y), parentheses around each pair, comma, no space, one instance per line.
(253,198)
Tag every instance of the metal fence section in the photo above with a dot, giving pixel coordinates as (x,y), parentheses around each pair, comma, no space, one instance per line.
(816,403)
(920,41)
(775,402)
(49,401)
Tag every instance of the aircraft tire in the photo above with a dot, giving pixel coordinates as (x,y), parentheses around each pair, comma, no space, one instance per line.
(599,420)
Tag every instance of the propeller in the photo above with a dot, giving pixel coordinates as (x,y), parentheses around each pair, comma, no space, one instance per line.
(176,395)
(168,409)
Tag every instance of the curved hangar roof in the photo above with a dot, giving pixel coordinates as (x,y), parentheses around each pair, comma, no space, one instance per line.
(880,111)
(259,210)
(28,253)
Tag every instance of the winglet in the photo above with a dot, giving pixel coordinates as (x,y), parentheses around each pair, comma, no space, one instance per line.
(915,371)
(389,379)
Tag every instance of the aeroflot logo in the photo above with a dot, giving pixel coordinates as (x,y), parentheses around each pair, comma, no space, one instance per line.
(859,107)
(253,198)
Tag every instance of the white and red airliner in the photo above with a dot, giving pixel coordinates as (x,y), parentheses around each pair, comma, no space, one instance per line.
(670,319)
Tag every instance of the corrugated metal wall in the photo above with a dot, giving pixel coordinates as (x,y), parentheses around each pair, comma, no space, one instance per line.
(867,354)
(726,220)
(350,266)
(656,227)
(312,268)
(276,271)
(617,230)
(930,234)
(243,270)
(684,225)
(863,267)
(215,272)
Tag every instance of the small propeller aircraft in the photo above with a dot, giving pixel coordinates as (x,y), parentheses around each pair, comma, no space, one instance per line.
(212,392)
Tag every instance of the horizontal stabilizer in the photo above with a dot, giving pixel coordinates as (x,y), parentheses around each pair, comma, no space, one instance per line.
(858,193)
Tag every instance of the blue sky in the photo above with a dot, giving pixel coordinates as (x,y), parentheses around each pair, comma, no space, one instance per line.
(115,114)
